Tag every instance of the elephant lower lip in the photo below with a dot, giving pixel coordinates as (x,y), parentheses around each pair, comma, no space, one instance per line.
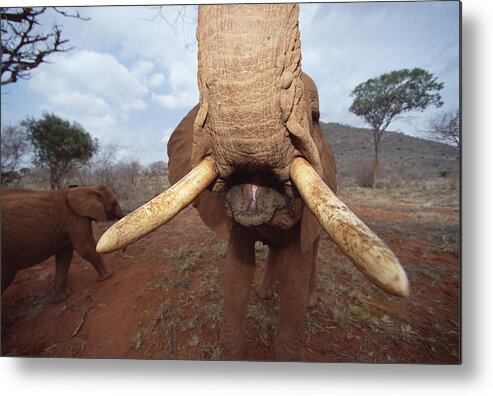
(248,219)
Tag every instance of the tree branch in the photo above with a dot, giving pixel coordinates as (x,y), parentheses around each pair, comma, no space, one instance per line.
(20,49)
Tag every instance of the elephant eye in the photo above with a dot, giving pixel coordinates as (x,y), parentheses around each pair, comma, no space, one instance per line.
(315,115)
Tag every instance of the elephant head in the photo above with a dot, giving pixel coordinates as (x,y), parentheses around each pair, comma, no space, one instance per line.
(255,140)
(96,202)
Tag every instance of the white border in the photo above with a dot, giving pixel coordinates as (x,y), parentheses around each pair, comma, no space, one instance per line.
(130,377)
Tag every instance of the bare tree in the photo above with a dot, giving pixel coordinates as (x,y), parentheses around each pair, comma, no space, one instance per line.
(156,177)
(15,146)
(130,171)
(157,168)
(102,167)
(445,127)
(24,45)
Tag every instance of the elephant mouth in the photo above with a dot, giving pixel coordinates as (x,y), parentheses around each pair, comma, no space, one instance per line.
(257,196)
(116,216)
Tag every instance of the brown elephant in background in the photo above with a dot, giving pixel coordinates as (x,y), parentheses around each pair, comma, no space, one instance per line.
(255,163)
(39,224)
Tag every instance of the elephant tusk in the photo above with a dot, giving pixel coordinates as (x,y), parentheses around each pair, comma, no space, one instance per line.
(365,249)
(160,209)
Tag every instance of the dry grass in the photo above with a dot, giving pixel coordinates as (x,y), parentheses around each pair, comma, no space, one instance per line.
(418,217)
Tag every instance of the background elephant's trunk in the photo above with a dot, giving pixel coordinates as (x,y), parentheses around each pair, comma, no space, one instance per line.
(250,87)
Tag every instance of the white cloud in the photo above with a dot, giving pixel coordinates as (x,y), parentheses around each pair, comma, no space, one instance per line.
(79,102)
(142,68)
(173,102)
(137,104)
(142,71)
(91,74)
(182,84)
(137,33)
(162,52)
(166,101)
(155,80)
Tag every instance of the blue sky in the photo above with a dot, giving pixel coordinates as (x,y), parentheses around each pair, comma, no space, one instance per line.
(131,77)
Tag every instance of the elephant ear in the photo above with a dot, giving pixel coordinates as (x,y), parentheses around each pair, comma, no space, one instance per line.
(210,205)
(86,202)
(310,228)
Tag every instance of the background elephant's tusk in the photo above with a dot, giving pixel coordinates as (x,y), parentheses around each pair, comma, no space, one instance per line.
(367,251)
(160,209)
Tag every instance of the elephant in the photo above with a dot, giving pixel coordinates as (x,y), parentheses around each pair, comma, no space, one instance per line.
(221,211)
(38,224)
(255,163)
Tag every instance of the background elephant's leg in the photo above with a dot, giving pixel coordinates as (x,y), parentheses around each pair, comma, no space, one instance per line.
(63,260)
(85,245)
(240,266)
(294,278)
(312,291)
(266,289)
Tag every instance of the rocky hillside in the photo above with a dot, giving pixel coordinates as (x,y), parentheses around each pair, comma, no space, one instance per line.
(403,158)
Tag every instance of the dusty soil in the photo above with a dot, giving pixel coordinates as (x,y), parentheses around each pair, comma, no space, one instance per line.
(165,298)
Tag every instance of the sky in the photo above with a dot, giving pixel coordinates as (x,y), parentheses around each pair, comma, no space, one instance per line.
(131,75)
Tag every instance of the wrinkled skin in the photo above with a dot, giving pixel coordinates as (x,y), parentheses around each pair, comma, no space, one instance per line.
(278,218)
(39,224)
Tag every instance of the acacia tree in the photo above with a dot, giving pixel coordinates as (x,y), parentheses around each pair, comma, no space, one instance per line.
(14,148)
(59,145)
(24,45)
(381,100)
(445,127)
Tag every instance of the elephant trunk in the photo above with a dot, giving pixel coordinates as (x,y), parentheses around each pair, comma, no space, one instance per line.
(251,93)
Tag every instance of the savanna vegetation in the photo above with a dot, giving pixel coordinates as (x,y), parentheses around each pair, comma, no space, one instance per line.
(54,153)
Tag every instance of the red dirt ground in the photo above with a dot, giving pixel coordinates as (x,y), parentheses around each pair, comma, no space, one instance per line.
(164,300)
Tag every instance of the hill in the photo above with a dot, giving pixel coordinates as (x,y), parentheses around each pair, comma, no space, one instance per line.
(403,158)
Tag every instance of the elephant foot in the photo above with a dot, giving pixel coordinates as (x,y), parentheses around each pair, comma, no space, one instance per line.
(286,351)
(312,300)
(107,273)
(232,352)
(60,296)
(233,341)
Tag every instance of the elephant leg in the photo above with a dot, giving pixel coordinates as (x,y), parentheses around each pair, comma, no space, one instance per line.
(86,246)
(294,279)
(63,259)
(312,291)
(266,289)
(240,266)
(8,275)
